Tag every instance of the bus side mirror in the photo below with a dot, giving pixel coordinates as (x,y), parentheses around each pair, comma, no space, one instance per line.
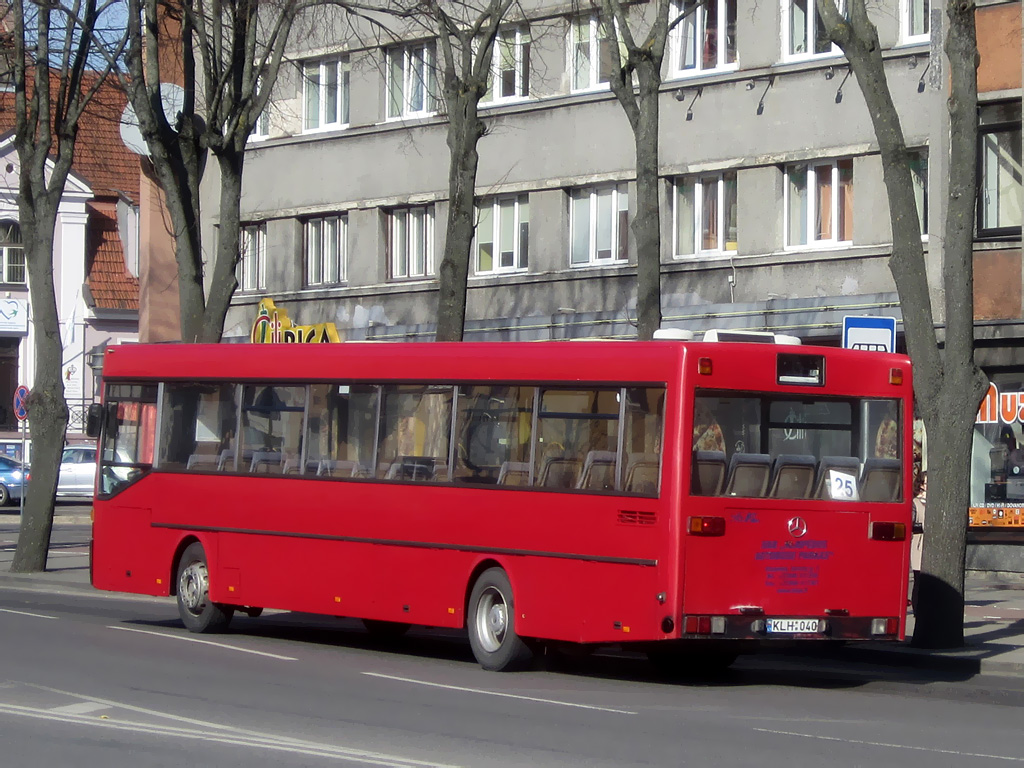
(94,419)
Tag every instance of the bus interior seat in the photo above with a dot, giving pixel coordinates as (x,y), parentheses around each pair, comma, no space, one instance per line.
(792,476)
(558,472)
(848,464)
(880,480)
(598,471)
(514,473)
(336,468)
(201,461)
(265,462)
(416,468)
(748,474)
(226,460)
(642,473)
(707,477)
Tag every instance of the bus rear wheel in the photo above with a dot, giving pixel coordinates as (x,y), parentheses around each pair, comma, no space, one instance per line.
(199,613)
(491,621)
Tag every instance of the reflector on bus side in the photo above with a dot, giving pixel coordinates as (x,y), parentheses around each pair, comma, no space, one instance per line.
(706,526)
(888,531)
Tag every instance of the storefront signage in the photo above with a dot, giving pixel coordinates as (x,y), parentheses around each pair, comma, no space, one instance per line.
(1001,407)
(272,326)
(13,316)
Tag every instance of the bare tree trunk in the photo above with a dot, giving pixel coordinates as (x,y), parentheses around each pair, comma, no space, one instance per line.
(464,131)
(947,384)
(224,281)
(647,224)
(48,411)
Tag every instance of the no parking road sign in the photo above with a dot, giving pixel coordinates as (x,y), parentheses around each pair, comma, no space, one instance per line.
(20,396)
(875,334)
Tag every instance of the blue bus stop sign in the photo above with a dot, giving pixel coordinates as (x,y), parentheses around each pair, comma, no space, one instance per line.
(876,334)
(20,396)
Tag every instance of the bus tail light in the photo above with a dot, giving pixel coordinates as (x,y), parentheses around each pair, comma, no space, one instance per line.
(706,526)
(888,531)
(704,625)
(704,366)
(896,376)
(885,626)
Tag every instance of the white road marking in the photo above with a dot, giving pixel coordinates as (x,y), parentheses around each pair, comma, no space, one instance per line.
(205,642)
(892,746)
(79,708)
(26,613)
(499,694)
(231,737)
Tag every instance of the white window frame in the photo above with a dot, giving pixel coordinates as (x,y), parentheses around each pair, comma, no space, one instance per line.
(811,186)
(698,183)
(810,32)
(919,179)
(907,8)
(489,212)
(1000,193)
(619,238)
(336,68)
(12,249)
(410,257)
(594,81)
(325,250)
(521,47)
(425,77)
(252,262)
(693,27)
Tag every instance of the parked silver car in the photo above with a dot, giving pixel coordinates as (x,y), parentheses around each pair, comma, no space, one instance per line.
(77,471)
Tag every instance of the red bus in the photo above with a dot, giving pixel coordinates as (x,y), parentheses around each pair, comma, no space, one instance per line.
(691,500)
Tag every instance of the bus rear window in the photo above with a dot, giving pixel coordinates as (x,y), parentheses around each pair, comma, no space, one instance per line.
(756,445)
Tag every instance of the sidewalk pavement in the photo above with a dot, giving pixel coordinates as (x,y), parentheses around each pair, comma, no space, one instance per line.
(993,617)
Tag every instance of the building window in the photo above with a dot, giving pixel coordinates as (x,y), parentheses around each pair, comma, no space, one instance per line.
(819,203)
(999,181)
(598,225)
(252,266)
(593,57)
(13,252)
(914,21)
(325,93)
(510,70)
(706,37)
(326,253)
(919,178)
(803,31)
(410,242)
(410,80)
(705,214)
(502,234)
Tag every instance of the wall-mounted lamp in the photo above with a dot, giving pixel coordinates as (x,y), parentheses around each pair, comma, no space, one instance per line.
(749,85)
(924,72)
(830,72)
(679,95)
(689,110)
(760,103)
(839,93)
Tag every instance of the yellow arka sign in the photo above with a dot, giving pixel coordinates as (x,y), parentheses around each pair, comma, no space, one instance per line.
(272,326)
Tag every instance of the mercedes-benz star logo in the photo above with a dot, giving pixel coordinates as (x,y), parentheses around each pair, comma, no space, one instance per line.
(797,527)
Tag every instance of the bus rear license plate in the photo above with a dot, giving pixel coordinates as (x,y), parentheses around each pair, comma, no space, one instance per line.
(793,626)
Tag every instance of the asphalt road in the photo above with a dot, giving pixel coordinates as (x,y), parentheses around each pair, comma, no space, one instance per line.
(94,679)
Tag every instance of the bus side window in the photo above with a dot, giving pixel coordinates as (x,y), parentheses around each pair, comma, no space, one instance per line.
(198,426)
(415,426)
(492,431)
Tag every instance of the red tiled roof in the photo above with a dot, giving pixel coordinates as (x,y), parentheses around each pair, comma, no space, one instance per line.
(111,284)
(101,158)
(110,169)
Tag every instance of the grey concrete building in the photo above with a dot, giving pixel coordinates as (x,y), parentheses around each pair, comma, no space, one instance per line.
(773,207)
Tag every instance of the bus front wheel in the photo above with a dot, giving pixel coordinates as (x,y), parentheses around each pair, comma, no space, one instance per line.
(492,633)
(199,613)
